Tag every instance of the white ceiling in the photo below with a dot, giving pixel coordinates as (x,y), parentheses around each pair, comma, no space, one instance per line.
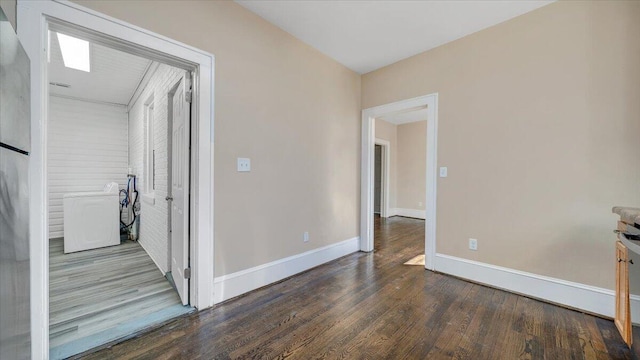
(114,75)
(366,35)
(406,117)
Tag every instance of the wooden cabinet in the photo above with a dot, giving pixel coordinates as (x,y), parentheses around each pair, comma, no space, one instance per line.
(623,311)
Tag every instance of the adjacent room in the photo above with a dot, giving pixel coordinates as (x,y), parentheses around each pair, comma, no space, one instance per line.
(400,177)
(111,182)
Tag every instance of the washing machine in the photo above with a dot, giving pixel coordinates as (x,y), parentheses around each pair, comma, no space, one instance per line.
(91,219)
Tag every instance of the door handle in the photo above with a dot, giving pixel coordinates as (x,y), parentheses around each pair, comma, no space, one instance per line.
(168,198)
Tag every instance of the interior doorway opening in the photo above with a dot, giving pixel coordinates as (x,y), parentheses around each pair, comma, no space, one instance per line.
(377,125)
(399,177)
(118,134)
(379,151)
(95,27)
(382,177)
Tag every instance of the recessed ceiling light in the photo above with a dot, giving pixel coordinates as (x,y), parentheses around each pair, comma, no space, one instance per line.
(75,52)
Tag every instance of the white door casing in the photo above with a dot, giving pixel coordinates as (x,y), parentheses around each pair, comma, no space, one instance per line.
(430,102)
(180,131)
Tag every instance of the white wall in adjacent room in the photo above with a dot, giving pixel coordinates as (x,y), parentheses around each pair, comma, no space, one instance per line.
(87,148)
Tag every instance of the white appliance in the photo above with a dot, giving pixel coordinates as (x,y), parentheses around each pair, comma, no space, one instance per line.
(91,219)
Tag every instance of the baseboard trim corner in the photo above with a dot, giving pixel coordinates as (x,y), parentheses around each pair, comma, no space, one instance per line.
(155,261)
(412,213)
(231,285)
(584,297)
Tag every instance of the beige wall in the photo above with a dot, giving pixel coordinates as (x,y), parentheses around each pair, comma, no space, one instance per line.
(412,166)
(538,124)
(292,110)
(385,130)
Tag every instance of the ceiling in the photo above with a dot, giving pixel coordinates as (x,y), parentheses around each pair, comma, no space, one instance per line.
(367,35)
(114,75)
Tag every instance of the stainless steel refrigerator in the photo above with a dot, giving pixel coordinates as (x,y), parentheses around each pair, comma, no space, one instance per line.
(15,127)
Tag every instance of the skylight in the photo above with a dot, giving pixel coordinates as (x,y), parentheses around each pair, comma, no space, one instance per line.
(75,52)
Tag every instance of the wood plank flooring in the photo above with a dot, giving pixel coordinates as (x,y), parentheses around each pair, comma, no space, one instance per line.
(370,305)
(96,290)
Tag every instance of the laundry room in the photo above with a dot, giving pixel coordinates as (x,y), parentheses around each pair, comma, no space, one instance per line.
(118,170)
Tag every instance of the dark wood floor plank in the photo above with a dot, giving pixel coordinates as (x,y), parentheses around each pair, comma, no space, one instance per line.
(530,315)
(616,348)
(499,327)
(594,337)
(371,306)
(476,331)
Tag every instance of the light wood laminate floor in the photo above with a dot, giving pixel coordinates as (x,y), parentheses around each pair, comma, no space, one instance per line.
(371,306)
(95,290)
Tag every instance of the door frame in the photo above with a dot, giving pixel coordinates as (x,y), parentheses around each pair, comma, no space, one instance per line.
(367,170)
(33,23)
(385,171)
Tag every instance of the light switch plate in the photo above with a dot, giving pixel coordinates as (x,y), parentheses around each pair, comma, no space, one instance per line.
(443,171)
(244,164)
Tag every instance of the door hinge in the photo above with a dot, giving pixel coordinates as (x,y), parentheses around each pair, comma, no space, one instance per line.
(187,273)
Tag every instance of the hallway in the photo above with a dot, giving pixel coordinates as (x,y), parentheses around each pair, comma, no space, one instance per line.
(369,305)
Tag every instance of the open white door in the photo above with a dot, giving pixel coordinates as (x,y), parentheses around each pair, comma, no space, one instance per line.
(180,188)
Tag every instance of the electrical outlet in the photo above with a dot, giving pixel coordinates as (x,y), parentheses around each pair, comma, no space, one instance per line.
(473,244)
(305,236)
(244,165)
(420,203)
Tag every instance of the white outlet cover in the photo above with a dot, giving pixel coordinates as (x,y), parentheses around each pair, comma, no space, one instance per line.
(244,164)
(305,236)
(443,171)
(473,244)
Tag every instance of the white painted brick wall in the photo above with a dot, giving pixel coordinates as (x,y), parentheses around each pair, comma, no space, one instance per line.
(154,217)
(87,148)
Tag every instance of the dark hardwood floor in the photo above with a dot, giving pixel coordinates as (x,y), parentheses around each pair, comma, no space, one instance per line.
(369,305)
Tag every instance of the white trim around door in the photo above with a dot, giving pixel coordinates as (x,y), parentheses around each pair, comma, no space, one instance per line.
(34,18)
(430,102)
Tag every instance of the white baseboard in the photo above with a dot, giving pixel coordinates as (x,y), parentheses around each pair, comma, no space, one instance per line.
(412,213)
(152,258)
(228,286)
(576,295)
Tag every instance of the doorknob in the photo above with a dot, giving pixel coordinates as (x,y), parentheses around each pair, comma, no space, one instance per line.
(168,198)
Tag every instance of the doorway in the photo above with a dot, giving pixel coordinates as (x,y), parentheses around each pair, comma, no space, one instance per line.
(110,272)
(111,32)
(382,160)
(377,193)
(427,103)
